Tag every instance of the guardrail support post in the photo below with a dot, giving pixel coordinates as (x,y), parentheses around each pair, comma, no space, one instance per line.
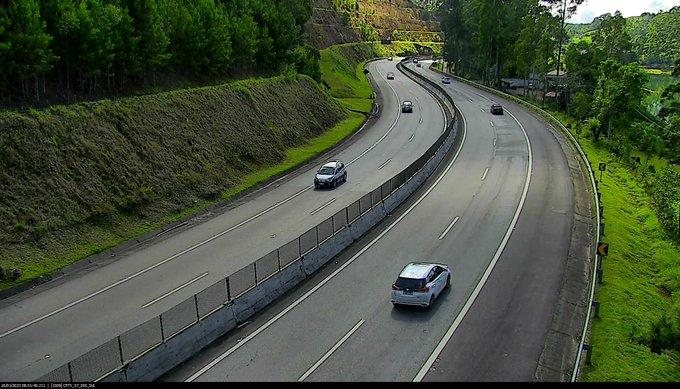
(588,350)
(596,309)
(599,275)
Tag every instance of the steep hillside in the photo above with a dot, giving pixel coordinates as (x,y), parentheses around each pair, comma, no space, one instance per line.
(326,27)
(400,19)
(344,21)
(77,179)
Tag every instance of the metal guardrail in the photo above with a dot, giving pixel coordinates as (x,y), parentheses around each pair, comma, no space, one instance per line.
(550,118)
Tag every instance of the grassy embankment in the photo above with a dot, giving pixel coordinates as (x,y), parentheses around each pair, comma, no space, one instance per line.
(80,179)
(641,273)
(343,65)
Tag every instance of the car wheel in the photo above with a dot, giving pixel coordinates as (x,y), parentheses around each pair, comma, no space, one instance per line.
(429,305)
(344,178)
(316,186)
(334,184)
(448,282)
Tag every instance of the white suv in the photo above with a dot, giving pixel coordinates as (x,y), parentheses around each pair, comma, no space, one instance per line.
(420,283)
(330,175)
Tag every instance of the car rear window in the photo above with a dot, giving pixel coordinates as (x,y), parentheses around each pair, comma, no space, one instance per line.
(326,170)
(410,283)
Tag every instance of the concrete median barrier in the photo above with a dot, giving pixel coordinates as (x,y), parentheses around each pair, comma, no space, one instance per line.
(308,241)
(179,317)
(325,229)
(211,298)
(176,350)
(141,339)
(60,374)
(241,281)
(289,253)
(97,363)
(340,220)
(266,266)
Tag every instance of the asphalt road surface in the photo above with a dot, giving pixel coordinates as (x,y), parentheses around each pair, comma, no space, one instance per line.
(43,328)
(498,212)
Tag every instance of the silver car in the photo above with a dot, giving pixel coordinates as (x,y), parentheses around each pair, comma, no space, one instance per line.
(420,283)
(330,175)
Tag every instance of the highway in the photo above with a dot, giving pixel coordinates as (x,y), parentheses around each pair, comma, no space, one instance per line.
(43,328)
(499,212)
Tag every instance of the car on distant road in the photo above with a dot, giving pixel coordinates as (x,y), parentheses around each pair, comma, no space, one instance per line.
(446,80)
(419,65)
(407,106)
(420,283)
(415,60)
(389,59)
(496,109)
(390,76)
(330,175)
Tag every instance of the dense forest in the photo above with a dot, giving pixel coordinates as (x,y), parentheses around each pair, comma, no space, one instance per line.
(604,84)
(655,38)
(65,50)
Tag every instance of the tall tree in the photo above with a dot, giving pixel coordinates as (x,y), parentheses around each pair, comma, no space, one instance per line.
(29,54)
(613,39)
(565,9)
(619,91)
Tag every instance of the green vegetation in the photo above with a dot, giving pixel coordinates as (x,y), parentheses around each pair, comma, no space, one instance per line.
(640,273)
(65,50)
(83,178)
(640,294)
(342,67)
(655,38)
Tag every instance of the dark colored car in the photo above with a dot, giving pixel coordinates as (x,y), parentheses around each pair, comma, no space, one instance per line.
(446,80)
(390,76)
(496,109)
(419,65)
(407,106)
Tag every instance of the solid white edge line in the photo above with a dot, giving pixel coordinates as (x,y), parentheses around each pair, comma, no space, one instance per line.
(447,336)
(337,271)
(446,231)
(485,173)
(331,351)
(331,201)
(161,297)
(240,224)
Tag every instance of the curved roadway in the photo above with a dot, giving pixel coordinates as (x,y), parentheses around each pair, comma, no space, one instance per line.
(498,212)
(46,327)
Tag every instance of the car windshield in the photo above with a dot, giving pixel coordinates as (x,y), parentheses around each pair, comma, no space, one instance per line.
(410,283)
(326,170)
(407,103)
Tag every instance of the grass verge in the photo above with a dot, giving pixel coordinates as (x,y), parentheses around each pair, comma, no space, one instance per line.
(640,275)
